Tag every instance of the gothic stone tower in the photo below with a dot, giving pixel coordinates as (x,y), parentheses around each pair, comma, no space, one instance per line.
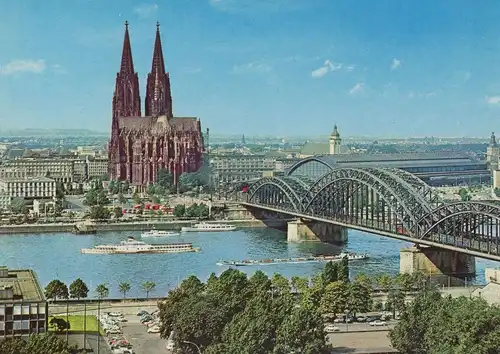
(140,146)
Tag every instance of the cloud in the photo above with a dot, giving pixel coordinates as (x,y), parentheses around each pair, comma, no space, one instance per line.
(396,63)
(59,69)
(493,100)
(327,67)
(429,94)
(256,66)
(358,88)
(146,10)
(23,65)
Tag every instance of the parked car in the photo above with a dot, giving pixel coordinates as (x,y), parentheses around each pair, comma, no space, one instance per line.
(154,329)
(378,323)
(331,329)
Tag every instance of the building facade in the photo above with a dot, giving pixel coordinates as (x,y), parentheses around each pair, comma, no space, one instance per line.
(61,170)
(142,145)
(23,307)
(28,187)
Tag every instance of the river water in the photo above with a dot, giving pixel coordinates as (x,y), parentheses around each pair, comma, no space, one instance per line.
(57,256)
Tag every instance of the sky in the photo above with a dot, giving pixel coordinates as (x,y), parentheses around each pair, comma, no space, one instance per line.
(280,67)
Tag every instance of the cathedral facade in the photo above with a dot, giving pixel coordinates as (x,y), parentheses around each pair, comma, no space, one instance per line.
(140,146)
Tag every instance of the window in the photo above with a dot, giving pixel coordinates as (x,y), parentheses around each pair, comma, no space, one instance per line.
(41,308)
(2,310)
(17,309)
(26,309)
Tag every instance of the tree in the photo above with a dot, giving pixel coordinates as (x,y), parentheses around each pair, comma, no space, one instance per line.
(300,284)
(37,344)
(408,336)
(124,288)
(179,210)
(117,212)
(150,189)
(147,287)
(164,178)
(137,198)
(98,212)
(121,199)
(343,270)
(102,291)
(363,279)
(302,331)
(18,206)
(330,272)
(335,297)
(192,211)
(56,289)
(280,284)
(384,282)
(78,289)
(359,298)
(395,301)
(405,281)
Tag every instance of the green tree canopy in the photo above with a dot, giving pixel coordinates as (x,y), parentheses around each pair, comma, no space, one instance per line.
(18,206)
(37,344)
(102,291)
(78,289)
(56,289)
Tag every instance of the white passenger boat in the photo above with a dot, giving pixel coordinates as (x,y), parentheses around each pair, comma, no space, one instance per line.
(132,246)
(203,226)
(159,233)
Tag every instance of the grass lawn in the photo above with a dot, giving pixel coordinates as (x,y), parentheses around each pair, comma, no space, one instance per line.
(76,323)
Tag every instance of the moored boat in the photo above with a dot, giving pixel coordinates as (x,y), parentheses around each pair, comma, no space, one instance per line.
(159,233)
(206,227)
(132,246)
(315,259)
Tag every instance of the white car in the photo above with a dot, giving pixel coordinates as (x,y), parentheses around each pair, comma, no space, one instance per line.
(331,329)
(378,323)
(154,329)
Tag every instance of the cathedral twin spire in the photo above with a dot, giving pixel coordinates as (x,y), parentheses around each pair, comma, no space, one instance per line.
(126,100)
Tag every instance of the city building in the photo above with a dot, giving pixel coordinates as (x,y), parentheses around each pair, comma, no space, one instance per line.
(435,168)
(59,169)
(228,168)
(332,147)
(28,187)
(23,307)
(142,145)
(96,167)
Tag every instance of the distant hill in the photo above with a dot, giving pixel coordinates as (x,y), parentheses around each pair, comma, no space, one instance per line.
(50,132)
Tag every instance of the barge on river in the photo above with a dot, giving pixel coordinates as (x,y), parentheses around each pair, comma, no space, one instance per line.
(132,246)
(312,259)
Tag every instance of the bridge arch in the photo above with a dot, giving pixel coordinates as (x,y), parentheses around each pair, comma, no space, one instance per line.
(408,198)
(317,166)
(462,217)
(287,192)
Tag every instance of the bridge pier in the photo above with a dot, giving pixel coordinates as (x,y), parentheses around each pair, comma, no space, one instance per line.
(301,230)
(436,262)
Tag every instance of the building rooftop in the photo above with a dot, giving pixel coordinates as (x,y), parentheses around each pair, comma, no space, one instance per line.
(24,283)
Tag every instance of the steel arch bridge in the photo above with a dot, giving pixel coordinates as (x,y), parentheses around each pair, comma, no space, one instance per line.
(390,202)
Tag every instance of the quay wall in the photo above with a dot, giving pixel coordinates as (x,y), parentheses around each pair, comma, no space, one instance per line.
(122,226)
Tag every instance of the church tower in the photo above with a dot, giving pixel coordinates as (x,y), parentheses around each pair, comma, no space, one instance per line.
(335,141)
(158,94)
(126,103)
(126,98)
(493,152)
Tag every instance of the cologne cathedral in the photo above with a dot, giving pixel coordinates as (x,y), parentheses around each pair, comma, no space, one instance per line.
(140,146)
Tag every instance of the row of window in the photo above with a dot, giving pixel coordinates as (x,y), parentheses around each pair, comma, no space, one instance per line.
(25,309)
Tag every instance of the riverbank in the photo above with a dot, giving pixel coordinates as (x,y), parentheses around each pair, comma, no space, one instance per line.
(126,226)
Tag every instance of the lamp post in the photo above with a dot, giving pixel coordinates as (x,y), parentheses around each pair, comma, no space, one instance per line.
(188,342)
(346,312)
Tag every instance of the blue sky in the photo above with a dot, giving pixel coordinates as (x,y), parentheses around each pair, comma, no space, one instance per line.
(281,67)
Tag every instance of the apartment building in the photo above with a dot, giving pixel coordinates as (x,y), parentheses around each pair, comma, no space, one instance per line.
(23,307)
(96,167)
(61,170)
(28,187)
(234,167)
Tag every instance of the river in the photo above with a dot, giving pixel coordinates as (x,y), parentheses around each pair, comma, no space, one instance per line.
(57,256)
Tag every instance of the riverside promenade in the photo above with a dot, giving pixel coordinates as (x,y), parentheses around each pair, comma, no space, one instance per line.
(121,226)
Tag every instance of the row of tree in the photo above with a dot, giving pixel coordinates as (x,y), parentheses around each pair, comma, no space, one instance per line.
(37,344)
(56,289)
(193,211)
(433,324)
